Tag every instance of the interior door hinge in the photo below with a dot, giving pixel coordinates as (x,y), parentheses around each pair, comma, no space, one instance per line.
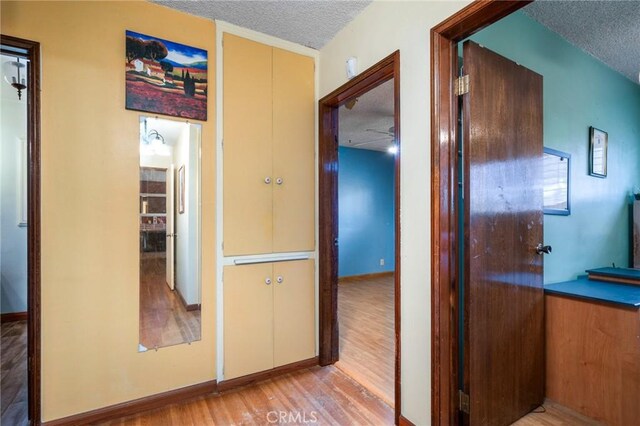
(462,85)
(463,402)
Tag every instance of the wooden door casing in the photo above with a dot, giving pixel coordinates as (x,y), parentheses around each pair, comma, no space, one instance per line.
(294,312)
(504,301)
(247,147)
(293,152)
(248,319)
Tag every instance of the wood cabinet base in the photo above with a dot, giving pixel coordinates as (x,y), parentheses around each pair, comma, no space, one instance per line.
(593,359)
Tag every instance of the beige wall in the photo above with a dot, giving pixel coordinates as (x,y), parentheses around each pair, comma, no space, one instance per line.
(380,29)
(90,203)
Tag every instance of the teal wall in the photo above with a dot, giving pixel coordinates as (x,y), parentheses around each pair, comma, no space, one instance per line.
(580,91)
(366,230)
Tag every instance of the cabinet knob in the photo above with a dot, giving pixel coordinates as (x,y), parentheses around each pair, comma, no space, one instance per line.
(267,180)
(279,181)
(279,279)
(267,281)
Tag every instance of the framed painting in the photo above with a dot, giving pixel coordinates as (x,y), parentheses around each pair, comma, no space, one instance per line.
(163,77)
(598,144)
(556,174)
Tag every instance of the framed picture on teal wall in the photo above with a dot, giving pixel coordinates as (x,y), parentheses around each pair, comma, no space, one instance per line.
(598,142)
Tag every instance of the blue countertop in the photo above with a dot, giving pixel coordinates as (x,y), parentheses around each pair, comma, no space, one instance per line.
(627,295)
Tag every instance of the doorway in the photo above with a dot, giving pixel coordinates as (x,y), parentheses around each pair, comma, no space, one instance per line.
(21,147)
(330,244)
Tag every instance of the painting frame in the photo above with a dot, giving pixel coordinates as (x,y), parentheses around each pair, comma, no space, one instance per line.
(181,189)
(165,77)
(598,152)
(555,186)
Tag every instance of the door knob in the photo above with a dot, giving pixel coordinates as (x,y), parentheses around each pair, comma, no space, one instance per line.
(267,281)
(279,181)
(267,180)
(279,280)
(543,249)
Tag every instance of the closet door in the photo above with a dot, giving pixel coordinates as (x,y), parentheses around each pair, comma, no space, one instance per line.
(294,311)
(293,152)
(248,319)
(247,151)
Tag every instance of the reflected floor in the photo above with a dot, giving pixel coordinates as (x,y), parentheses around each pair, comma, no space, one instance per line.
(164,320)
(13,392)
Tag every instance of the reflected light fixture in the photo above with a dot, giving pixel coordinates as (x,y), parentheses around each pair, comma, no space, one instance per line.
(393,149)
(17,81)
(154,144)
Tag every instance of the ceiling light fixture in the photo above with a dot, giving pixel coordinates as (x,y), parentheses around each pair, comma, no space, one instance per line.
(393,149)
(18,81)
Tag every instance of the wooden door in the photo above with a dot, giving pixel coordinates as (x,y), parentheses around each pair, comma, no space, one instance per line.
(248,319)
(504,304)
(293,152)
(294,311)
(247,149)
(170,228)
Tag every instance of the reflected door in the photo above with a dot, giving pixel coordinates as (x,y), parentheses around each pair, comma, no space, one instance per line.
(170,269)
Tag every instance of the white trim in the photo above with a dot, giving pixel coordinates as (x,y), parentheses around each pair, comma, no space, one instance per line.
(222,28)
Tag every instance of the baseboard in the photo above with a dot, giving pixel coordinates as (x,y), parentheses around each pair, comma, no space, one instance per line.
(226,385)
(193,307)
(137,405)
(366,276)
(13,316)
(403,421)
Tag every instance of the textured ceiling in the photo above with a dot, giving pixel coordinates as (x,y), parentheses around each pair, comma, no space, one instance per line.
(367,125)
(311,23)
(608,30)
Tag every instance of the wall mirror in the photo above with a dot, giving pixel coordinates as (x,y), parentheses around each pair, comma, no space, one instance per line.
(557,178)
(169,219)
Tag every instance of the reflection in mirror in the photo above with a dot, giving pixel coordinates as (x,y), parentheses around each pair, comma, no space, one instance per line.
(556,172)
(169,213)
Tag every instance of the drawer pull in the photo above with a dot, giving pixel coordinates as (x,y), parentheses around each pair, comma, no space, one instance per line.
(267,281)
(279,280)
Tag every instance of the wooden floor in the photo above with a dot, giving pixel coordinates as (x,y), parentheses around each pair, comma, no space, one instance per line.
(323,396)
(367,333)
(13,365)
(164,320)
(555,415)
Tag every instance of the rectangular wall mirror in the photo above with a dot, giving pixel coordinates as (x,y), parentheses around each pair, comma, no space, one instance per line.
(169,218)
(557,178)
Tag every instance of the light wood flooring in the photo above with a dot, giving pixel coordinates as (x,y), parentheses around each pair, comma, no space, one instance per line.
(323,396)
(13,365)
(164,320)
(367,333)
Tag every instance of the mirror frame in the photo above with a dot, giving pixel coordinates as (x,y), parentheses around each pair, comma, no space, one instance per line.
(559,212)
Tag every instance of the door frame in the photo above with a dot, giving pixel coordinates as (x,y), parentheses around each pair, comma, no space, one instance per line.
(328,106)
(444,199)
(33,217)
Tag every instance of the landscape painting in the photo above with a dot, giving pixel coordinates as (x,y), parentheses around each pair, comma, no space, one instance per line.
(165,78)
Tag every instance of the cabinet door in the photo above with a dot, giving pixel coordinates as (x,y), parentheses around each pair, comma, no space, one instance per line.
(294,311)
(293,152)
(248,320)
(247,152)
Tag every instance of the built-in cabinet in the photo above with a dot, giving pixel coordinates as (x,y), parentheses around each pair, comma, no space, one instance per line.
(269,316)
(268,149)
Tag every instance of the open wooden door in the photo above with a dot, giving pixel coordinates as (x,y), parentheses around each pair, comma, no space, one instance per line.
(503,273)
(170,227)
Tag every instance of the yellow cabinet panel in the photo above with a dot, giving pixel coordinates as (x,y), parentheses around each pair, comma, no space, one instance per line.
(294,311)
(248,319)
(247,151)
(293,152)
